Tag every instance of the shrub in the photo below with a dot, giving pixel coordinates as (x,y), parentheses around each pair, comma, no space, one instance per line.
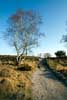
(60,53)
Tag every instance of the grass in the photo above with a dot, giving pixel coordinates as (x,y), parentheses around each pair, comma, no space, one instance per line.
(15,84)
(53,64)
(58,65)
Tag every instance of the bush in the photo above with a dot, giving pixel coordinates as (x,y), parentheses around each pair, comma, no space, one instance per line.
(60,53)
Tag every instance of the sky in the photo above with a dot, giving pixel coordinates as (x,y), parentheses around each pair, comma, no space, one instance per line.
(54,16)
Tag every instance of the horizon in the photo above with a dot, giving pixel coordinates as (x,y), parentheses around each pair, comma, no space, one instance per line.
(54,15)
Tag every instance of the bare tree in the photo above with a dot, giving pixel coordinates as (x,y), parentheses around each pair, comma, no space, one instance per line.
(47,55)
(23,32)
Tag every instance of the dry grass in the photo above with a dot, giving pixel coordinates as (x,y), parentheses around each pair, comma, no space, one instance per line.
(13,83)
(52,64)
(16,84)
(59,65)
(31,63)
(61,68)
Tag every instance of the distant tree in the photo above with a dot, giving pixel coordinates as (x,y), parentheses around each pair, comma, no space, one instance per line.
(47,55)
(23,32)
(60,53)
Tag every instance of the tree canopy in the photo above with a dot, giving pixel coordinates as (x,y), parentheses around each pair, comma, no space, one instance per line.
(60,53)
(23,31)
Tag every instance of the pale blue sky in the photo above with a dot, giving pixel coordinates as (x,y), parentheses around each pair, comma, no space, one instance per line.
(54,15)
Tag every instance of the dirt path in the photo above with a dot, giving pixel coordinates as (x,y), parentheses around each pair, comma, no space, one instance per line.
(45,86)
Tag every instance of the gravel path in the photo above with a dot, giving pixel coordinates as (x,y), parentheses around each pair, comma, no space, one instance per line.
(45,86)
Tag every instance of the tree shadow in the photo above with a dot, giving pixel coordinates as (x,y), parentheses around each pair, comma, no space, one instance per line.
(48,74)
(24,67)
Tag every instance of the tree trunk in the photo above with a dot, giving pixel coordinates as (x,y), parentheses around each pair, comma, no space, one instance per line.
(18,60)
(21,57)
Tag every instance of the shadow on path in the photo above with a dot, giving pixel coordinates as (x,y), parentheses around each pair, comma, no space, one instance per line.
(49,73)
